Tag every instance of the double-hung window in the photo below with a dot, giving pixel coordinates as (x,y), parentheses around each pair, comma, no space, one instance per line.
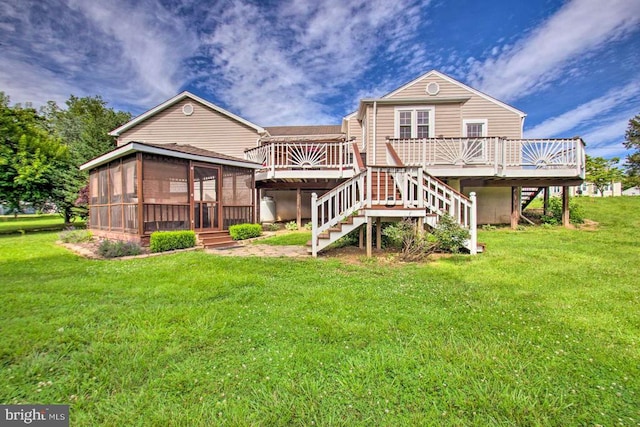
(414,122)
(475,145)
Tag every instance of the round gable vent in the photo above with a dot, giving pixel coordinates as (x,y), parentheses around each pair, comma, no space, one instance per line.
(433,88)
(187,109)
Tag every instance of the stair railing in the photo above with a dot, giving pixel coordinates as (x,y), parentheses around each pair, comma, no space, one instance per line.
(334,206)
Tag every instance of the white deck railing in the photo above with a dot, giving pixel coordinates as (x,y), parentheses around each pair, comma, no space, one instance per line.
(302,155)
(405,187)
(334,206)
(500,154)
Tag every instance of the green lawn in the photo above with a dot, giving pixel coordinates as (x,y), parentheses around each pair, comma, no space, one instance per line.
(29,223)
(295,238)
(542,329)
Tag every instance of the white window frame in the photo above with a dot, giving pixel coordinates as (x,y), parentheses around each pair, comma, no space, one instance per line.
(480,155)
(414,120)
(483,122)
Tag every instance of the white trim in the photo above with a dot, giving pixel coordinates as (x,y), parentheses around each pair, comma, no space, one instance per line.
(144,116)
(456,82)
(414,122)
(135,147)
(484,122)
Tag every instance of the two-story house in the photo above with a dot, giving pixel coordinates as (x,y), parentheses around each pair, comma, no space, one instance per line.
(430,147)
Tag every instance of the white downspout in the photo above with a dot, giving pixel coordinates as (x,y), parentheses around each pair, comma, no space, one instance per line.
(375,113)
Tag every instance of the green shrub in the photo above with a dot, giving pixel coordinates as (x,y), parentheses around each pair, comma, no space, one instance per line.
(308,226)
(415,244)
(554,214)
(291,226)
(488,227)
(162,241)
(449,235)
(272,227)
(71,235)
(245,231)
(118,248)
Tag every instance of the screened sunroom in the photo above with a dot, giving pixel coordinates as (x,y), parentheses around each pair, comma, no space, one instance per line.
(140,188)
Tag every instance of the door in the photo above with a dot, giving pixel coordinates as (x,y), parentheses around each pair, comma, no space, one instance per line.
(206,198)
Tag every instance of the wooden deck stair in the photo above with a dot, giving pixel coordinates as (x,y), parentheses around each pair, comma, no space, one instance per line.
(215,239)
(528,195)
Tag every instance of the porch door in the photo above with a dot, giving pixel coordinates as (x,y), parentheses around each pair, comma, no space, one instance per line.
(206,198)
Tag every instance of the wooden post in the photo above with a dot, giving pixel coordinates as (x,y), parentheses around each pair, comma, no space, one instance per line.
(565,205)
(314,223)
(299,207)
(473,224)
(379,233)
(361,238)
(515,207)
(369,236)
(140,193)
(545,203)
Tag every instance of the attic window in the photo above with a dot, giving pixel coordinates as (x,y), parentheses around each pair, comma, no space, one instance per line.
(433,88)
(187,109)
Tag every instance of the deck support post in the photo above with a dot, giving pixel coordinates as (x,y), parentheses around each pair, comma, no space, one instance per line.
(378,233)
(369,236)
(565,206)
(299,207)
(515,207)
(361,238)
(545,203)
(314,224)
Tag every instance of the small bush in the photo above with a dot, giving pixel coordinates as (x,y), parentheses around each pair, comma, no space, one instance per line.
(308,226)
(118,248)
(291,226)
(162,241)
(450,236)
(71,235)
(415,244)
(488,227)
(245,231)
(272,227)
(554,216)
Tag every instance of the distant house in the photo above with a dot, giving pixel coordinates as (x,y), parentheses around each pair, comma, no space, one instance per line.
(633,191)
(430,147)
(589,189)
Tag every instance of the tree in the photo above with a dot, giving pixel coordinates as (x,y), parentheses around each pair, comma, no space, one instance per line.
(30,158)
(83,127)
(632,142)
(602,172)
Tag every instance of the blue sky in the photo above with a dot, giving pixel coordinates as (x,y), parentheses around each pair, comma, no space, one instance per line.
(573,66)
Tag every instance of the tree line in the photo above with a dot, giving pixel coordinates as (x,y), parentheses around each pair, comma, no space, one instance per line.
(41,151)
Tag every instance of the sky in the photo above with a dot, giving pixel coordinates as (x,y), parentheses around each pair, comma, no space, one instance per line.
(572,66)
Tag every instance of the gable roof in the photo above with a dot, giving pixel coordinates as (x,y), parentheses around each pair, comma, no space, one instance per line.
(444,77)
(460,84)
(155,110)
(181,151)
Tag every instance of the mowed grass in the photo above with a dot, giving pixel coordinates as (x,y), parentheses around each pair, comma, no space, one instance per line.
(294,238)
(27,223)
(542,329)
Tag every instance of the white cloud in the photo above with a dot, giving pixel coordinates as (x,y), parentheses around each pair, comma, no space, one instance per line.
(129,53)
(580,27)
(593,110)
(612,131)
(284,66)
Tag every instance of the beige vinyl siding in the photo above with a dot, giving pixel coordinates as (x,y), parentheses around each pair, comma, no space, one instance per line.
(501,121)
(205,128)
(354,131)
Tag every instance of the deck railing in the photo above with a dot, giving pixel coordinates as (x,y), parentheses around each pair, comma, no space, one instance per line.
(389,186)
(501,154)
(303,155)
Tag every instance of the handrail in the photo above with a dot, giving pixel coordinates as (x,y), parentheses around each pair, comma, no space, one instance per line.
(334,206)
(302,155)
(500,153)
